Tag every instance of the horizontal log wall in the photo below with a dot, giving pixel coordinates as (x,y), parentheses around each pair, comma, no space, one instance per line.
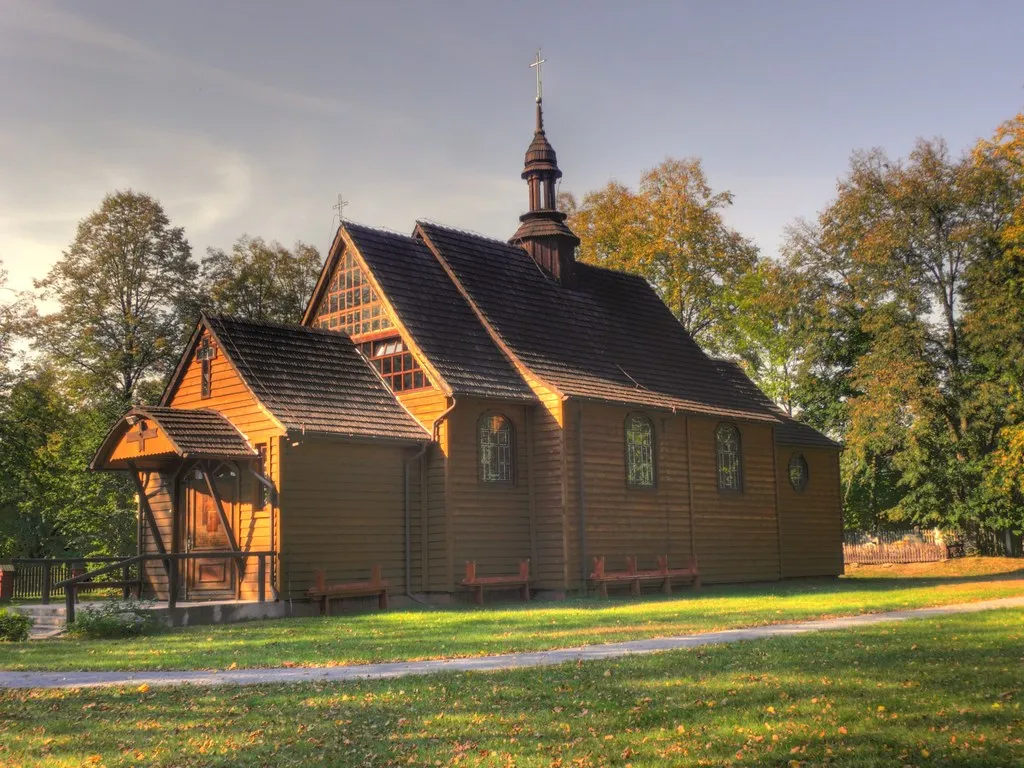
(343,507)
(736,533)
(490,521)
(625,521)
(158,487)
(431,556)
(811,520)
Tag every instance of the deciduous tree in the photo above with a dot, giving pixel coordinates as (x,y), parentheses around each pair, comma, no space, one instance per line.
(124,289)
(672,232)
(260,280)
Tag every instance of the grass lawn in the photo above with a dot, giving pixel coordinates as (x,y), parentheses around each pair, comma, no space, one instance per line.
(936,692)
(465,631)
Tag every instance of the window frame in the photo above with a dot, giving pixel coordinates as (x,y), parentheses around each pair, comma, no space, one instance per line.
(739,459)
(797,456)
(480,475)
(637,416)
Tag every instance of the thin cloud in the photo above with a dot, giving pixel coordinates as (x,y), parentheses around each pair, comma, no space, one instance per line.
(42,19)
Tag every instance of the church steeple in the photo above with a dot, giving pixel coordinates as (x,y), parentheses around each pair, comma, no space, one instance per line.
(542,232)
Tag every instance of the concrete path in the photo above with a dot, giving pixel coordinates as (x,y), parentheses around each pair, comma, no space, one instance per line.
(480,663)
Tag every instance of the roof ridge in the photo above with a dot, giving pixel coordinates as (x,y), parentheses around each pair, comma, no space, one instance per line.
(277,325)
(467,232)
(381,230)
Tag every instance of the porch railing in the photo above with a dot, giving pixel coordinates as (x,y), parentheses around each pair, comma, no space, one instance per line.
(171,563)
(34,577)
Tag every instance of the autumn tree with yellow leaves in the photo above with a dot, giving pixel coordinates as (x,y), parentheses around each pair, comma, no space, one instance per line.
(671,231)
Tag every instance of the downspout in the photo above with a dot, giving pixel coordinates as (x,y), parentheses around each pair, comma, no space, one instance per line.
(582,491)
(408,511)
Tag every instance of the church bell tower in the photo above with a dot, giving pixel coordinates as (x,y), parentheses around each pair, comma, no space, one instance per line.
(543,232)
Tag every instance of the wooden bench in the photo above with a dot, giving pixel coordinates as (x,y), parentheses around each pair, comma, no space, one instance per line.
(479,583)
(634,577)
(323,591)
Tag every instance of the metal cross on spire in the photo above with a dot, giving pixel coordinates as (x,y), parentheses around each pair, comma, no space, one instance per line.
(340,208)
(540,83)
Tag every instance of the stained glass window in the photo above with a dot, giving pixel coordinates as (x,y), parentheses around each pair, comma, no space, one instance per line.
(639,452)
(798,472)
(495,448)
(730,466)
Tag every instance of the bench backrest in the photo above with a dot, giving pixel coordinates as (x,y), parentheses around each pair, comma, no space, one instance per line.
(471,570)
(524,570)
(599,567)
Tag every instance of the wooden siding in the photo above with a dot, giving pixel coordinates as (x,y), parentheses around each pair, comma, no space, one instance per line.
(229,396)
(343,507)
(424,404)
(158,487)
(254,529)
(549,501)
(620,520)
(810,521)
(490,521)
(736,532)
(127,450)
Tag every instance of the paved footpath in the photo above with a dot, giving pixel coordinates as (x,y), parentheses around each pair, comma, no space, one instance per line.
(478,664)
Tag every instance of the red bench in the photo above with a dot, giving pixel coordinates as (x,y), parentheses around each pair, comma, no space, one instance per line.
(632,576)
(323,591)
(479,583)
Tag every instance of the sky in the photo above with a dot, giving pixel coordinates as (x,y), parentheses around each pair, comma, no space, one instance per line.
(251,117)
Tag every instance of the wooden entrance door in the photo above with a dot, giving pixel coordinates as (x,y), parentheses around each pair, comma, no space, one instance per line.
(209,578)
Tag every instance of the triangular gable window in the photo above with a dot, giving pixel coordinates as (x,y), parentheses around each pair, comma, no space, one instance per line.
(350,304)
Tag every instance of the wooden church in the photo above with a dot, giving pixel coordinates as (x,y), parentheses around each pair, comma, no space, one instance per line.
(448,398)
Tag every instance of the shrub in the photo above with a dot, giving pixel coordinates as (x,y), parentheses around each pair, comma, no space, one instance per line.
(116,618)
(14,626)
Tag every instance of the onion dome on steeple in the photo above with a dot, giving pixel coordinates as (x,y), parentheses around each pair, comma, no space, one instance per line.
(543,232)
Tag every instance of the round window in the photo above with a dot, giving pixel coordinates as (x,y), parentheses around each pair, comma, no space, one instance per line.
(798,472)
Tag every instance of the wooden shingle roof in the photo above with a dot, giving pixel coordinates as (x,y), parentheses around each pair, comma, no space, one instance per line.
(610,338)
(189,434)
(313,380)
(438,318)
(789,431)
(199,432)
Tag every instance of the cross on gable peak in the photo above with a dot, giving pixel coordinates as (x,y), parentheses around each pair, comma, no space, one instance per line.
(140,434)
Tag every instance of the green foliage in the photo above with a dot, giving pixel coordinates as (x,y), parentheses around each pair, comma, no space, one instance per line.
(901,263)
(14,626)
(672,232)
(50,503)
(115,619)
(125,289)
(260,280)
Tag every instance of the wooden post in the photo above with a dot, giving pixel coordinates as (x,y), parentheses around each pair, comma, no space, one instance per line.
(69,603)
(261,577)
(172,583)
(46,582)
(126,589)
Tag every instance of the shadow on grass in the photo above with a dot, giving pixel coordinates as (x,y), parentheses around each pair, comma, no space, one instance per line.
(947,691)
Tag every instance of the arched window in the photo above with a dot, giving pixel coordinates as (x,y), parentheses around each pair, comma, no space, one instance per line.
(639,451)
(494,438)
(730,464)
(798,472)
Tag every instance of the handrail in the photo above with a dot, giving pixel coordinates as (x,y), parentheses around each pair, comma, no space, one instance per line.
(88,575)
(171,561)
(91,559)
(169,556)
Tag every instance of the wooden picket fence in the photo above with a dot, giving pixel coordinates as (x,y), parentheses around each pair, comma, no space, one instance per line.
(910,546)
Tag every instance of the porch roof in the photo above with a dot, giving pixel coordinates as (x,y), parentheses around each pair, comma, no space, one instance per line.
(151,435)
